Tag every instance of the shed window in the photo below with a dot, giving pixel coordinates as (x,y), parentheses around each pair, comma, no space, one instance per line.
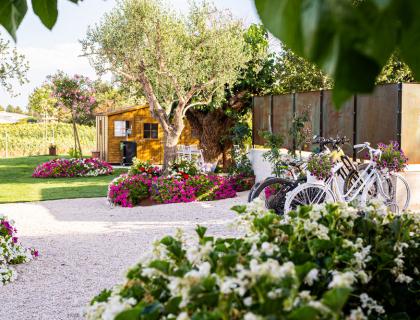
(150,130)
(122,128)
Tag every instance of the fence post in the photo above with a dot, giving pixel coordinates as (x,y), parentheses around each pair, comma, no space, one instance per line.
(354,125)
(399,110)
(271,115)
(321,113)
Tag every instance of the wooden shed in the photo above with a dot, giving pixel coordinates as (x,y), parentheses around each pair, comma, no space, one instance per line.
(134,124)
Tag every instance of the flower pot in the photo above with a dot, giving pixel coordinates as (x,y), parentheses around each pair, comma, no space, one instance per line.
(96,154)
(52,151)
(312,179)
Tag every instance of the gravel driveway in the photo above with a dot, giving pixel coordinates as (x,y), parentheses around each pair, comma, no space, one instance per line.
(85,246)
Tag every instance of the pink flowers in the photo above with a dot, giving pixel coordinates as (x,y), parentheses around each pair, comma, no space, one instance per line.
(392,158)
(129,190)
(68,168)
(11,251)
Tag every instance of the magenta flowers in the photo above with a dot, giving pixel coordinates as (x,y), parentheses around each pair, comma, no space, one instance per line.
(392,157)
(129,190)
(69,168)
(11,251)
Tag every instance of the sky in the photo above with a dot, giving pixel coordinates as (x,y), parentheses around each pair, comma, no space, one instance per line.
(59,49)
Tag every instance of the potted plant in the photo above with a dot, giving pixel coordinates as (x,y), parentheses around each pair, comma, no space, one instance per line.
(52,149)
(319,168)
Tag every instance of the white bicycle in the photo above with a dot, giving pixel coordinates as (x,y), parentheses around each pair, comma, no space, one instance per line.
(391,188)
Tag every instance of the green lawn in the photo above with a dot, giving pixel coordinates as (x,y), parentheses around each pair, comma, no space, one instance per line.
(17,184)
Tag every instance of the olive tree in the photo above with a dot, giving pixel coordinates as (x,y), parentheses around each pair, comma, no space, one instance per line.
(178,61)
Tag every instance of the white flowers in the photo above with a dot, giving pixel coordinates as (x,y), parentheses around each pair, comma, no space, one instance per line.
(110,309)
(370,304)
(341,280)
(398,270)
(311,277)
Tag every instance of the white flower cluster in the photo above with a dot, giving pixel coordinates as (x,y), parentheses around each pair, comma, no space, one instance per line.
(398,270)
(110,309)
(11,252)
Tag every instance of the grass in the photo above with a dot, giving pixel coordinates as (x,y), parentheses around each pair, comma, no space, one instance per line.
(17,184)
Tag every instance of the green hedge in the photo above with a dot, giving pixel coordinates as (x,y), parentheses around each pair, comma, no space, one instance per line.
(29,139)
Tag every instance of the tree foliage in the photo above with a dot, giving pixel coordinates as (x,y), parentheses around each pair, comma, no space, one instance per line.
(13,67)
(395,71)
(75,95)
(12,13)
(110,98)
(42,103)
(178,61)
(350,40)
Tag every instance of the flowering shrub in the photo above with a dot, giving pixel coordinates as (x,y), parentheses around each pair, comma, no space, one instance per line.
(69,168)
(128,190)
(242,181)
(11,251)
(200,187)
(321,262)
(183,168)
(320,166)
(144,168)
(392,158)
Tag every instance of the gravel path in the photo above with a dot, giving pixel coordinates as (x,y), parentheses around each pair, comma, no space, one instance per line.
(85,246)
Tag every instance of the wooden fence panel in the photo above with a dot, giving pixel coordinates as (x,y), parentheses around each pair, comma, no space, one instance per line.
(377,115)
(261,118)
(338,123)
(282,115)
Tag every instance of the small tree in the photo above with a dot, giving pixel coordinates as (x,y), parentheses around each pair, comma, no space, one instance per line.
(13,67)
(178,61)
(42,103)
(74,94)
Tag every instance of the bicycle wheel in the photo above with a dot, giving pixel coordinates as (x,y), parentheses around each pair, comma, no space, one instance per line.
(273,192)
(307,194)
(255,186)
(395,192)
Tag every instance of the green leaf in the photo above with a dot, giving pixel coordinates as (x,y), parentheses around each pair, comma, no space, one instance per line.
(336,298)
(131,314)
(304,313)
(201,231)
(47,11)
(239,209)
(160,265)
(11,15)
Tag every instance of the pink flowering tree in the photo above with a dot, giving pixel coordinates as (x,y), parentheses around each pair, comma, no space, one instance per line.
(76,96)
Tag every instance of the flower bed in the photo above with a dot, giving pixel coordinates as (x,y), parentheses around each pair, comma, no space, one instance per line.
(321,262)
(129,190)
(69,168)
(11,251)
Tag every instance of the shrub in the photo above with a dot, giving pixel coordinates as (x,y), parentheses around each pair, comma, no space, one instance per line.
(11,251)
(144,168)
(242,182)
(183,168)
(392,157)
(241,164)
(321,262)
(128,190)
(69,168)
(200,187)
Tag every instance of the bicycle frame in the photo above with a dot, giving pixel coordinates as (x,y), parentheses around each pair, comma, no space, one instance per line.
(364,178)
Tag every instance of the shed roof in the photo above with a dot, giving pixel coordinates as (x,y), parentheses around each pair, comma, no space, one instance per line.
(127,109)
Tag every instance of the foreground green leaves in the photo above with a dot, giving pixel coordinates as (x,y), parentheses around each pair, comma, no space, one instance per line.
(321,262)
(12,13)
(350,40)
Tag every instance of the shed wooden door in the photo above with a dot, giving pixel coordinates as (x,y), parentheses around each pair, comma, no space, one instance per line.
(148,147)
